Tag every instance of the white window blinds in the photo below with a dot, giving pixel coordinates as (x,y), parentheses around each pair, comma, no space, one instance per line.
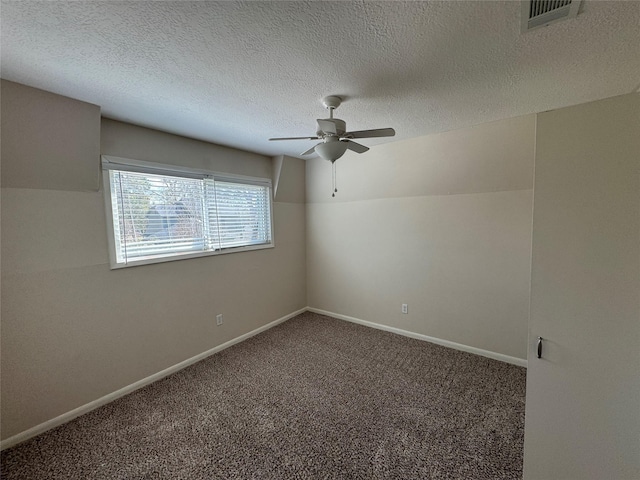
(241,216)
(163,216)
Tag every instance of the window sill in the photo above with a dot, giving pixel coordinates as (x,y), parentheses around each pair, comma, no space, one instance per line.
(187,256)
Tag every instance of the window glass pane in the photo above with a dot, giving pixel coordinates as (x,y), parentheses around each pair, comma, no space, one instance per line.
(211,213)
(157,214)
(243,214)
(118,225)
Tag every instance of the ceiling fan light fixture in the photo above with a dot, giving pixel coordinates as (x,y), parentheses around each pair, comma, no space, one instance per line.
(331,150)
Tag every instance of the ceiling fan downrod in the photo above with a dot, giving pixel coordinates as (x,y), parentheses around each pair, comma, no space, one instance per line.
(331,103)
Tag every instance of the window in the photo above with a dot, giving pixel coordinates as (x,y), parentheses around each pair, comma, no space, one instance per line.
(160,213)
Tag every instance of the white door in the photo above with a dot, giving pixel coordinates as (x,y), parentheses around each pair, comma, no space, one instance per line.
(583,395)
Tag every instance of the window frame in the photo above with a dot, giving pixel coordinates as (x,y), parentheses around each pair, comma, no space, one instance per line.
(109,162)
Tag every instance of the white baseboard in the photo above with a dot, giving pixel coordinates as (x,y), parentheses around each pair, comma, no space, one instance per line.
(76,412)
(446,343)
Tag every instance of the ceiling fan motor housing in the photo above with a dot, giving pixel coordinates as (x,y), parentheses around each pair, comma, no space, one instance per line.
(341,128)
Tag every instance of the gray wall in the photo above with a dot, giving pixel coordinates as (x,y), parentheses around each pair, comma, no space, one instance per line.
(441,222)
(72,329)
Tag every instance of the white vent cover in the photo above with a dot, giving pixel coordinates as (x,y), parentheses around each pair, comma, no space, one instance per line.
(540,13)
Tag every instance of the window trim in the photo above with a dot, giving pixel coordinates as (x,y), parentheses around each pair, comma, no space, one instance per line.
(110,162)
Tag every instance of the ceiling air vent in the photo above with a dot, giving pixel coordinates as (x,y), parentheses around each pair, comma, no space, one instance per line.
(540,13)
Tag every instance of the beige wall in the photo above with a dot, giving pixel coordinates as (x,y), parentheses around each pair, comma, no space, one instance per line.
(442,223)
(288,179)
(128,141)
(66,154)
(583,395)
(72,329)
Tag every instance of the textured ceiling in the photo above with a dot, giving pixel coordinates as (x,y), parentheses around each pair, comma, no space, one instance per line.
(237,73)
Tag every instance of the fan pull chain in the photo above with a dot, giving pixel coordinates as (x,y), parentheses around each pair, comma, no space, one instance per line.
(334,179)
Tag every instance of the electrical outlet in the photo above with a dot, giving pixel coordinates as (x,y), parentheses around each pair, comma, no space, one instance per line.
(219,319)
(405,308)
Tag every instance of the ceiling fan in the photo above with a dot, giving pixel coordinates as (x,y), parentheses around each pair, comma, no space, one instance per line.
(335,138)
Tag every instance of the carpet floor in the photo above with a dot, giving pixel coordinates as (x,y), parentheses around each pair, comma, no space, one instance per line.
(314,397)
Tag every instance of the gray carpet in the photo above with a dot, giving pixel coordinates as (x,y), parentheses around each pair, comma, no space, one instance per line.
(311,398)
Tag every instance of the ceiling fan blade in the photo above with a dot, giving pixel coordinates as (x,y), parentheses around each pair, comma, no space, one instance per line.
(327,126)
(379,132)
(295,138)
(310,151)
(356,147)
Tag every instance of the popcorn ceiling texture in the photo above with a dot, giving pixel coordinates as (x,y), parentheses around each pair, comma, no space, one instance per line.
(237,73)
(314,397)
